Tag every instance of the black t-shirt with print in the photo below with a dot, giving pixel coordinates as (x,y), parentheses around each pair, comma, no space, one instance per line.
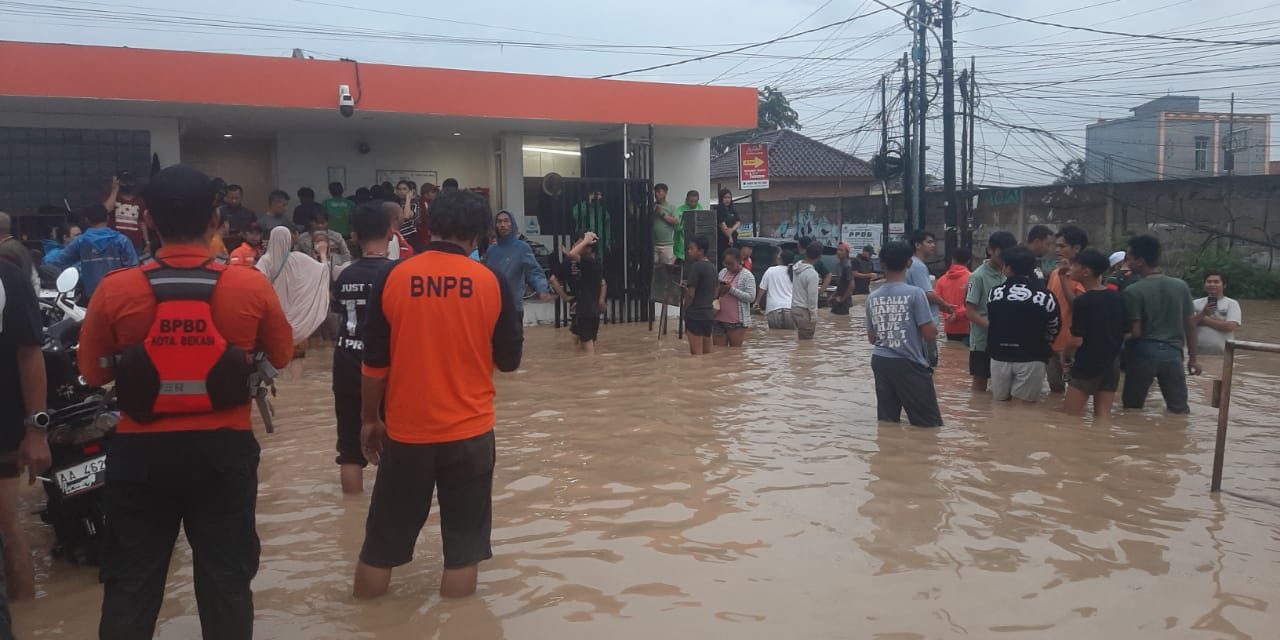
(19,326)
(582,279)
(1024,321)
(1098,317)
(350,300)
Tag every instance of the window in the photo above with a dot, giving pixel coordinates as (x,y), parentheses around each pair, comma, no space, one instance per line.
(1202,153)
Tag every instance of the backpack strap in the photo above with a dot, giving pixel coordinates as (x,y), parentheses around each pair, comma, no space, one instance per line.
(176,283)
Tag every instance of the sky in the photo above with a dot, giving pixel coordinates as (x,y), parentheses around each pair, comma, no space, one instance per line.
(1039,85)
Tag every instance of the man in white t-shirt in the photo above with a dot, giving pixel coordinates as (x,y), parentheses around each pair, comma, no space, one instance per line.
(774,293)
(1217,316)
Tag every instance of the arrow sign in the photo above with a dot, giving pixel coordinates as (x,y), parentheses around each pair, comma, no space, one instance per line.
(753,166)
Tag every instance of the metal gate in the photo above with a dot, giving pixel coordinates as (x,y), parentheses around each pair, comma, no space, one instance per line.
(620,211)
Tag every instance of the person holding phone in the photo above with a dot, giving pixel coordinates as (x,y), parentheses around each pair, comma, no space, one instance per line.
(1217,316)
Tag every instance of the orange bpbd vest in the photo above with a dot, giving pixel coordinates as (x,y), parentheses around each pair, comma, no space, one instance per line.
(184,365)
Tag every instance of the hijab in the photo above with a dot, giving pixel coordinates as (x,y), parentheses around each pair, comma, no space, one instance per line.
(301,283)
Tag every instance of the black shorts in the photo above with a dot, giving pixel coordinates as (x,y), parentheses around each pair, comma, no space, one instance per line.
(958,337)
(407,476)
(587,328)
(979,364)
(347,408)
(697,326)
(1108,380)
(719,328)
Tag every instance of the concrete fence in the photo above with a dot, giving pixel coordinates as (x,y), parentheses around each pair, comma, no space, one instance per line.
(1238,212)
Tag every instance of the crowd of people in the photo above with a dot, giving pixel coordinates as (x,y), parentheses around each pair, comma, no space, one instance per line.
(1079,322)
(224,282)
(1049,312)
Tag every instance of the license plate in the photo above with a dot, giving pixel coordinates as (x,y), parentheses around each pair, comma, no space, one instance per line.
(82,476)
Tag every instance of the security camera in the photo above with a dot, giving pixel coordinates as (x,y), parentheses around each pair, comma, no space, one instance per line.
(346,104)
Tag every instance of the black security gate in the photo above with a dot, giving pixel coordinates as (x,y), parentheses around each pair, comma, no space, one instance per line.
(614,200)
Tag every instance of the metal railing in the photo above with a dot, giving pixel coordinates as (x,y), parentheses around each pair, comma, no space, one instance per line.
(1222,393)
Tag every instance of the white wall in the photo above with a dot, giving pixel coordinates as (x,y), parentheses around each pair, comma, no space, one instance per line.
(164,131)
(682,164)
(304,158)
(512,196)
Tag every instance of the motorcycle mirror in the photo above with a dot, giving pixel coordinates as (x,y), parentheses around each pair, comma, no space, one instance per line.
(68,279)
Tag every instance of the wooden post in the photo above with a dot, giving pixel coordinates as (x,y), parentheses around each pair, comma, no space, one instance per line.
(1224,408)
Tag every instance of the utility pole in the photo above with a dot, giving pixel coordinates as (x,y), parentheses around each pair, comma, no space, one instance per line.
(922,98)
(972,189)
(962,209)
(884,156)
(908,156)
(948,130)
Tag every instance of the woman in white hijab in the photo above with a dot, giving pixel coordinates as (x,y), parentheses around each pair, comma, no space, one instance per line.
(301,283)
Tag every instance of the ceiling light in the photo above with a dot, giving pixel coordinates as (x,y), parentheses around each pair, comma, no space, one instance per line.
(559,152)
(457,133)
(226,135)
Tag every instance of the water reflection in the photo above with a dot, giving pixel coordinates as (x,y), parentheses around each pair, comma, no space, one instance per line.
(907,499)
(752,494)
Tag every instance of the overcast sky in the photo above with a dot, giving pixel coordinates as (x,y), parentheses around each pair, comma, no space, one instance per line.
(1031,76)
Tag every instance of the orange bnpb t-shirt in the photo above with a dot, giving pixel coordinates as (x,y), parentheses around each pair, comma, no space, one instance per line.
(438,324)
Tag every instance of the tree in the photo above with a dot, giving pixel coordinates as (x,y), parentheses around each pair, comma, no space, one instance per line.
(773,112)
(1072,172)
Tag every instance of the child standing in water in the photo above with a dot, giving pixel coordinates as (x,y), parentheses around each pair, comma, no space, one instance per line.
(350,300)
(900,324)
(587,291)
(1098,325)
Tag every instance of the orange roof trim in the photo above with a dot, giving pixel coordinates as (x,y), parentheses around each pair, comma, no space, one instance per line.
(77,71)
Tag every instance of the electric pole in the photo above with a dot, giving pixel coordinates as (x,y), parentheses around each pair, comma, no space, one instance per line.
(908,156)
(922,98)
(962,210)
(948,130)
(884,155)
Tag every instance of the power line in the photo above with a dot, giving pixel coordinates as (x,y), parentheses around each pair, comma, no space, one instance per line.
(742,48)
(1149,36)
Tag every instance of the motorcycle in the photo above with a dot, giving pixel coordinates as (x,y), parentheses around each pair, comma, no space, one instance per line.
(60,302)
(83,418)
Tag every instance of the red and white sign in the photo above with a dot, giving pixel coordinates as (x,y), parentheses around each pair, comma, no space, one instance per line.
(753,166)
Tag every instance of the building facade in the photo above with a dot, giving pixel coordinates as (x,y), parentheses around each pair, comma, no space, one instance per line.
(1170,138)
(72,116)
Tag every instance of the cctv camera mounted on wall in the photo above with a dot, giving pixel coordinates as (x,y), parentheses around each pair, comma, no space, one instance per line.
(346,104)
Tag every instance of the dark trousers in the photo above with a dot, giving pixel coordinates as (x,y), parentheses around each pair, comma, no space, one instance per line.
(903,384)
(207,481)
(6,620)
(1146,361)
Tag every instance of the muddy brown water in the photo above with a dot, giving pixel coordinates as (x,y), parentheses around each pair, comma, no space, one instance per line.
(751,494)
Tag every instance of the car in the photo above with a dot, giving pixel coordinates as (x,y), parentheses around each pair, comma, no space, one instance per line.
(763,251)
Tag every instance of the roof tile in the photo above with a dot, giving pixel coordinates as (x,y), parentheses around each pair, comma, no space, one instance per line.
(792,155)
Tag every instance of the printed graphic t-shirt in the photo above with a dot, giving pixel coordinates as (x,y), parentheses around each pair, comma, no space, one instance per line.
(896,311)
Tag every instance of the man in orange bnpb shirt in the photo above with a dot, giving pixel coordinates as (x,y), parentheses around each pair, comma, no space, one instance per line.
(438,321)
(175,334)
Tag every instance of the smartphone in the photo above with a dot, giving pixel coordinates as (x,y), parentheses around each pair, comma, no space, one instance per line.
(1212,301)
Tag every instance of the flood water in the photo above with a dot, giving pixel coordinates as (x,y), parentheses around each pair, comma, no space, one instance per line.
(751,494)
